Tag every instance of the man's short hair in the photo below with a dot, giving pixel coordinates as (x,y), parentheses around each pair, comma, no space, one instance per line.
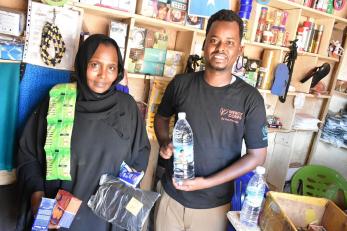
(225,15)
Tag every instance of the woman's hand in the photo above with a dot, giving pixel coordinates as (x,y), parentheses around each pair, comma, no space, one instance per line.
(35,201)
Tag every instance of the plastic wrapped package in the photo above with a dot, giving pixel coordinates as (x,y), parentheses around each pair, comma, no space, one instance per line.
(122,205)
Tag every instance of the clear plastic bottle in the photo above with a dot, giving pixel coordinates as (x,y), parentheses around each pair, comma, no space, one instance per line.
(254,197)
(183,145)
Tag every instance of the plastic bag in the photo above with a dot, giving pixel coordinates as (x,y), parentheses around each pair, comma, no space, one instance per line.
(121,204)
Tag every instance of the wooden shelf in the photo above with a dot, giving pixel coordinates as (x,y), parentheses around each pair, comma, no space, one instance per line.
(142,76)
(264,45)
(340,93)
(282,130)
(9,61)
(117,14)
(296,93)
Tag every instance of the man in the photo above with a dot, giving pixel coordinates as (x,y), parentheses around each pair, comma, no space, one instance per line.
(222,111)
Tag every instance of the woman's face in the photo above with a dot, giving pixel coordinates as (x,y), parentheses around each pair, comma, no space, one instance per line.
(102,68)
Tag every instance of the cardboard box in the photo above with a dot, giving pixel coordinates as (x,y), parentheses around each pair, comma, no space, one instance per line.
(155,55)
(137,37)
(290,212)
(65,209)
(174,58)
(146,7)
(118,32)
(12,22)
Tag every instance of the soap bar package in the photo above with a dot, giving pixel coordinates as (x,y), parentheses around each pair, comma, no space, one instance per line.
(43,214)
(65,209)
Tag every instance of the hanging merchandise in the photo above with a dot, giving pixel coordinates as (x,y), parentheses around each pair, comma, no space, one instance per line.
(51,35)
(42,39)
(289,59)
(317,74)
(281,80)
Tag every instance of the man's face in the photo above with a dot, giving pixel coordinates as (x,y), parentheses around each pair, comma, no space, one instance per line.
(222,46)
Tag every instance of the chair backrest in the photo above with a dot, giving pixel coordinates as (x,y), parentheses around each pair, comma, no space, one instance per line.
(319,181)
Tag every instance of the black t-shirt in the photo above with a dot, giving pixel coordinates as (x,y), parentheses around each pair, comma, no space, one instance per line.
(220,117)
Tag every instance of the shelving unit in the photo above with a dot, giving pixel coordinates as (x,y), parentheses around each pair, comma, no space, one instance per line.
(286,144)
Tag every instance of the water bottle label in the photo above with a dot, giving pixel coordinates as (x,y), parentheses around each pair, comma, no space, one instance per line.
(184,154)
(253,197)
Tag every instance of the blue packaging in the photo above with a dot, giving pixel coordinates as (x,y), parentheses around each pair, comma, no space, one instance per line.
(245,15)
(44,214)
(246,2)
(11,51)
(246,8)
(129,176)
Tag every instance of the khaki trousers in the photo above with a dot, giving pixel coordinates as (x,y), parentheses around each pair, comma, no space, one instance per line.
(172,216)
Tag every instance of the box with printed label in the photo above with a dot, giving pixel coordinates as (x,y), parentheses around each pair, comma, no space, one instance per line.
(118,32)
(12,22)
(155,55)
(172,70)
(174,58)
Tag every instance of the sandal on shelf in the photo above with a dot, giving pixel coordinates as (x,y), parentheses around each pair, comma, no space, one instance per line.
(317,74)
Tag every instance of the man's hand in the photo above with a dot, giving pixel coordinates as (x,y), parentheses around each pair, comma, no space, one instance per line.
(166,150)
(197,183)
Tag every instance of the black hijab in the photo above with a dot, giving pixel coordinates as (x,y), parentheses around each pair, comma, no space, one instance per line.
(87,100)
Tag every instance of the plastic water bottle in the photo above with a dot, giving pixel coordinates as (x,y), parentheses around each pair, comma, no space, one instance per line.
(183,146)
(254,197)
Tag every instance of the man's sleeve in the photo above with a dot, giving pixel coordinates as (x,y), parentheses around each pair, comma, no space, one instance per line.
(255,124)
(167,106)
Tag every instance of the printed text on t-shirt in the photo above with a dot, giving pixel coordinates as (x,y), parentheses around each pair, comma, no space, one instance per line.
(230,115)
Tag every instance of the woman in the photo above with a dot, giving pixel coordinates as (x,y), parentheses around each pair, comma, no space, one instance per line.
(107,129)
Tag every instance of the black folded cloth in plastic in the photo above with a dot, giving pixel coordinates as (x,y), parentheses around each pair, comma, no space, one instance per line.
(121,204)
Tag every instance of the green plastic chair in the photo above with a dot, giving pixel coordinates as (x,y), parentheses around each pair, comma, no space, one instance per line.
(319,181)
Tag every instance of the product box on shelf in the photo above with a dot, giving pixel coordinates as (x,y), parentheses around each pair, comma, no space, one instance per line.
(146,7)
(137,37)
(118,32)
(283,211)
(172,70)
(194,21)
(174,58)
(123,5)
(155,55)
(177,12)
(12,22)
(146,67)
(156,39)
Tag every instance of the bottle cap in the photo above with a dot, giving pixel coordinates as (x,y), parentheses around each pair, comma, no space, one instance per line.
(260,170)
(181,115)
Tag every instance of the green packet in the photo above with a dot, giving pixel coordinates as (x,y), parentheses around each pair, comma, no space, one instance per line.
(58,135)
(58,164)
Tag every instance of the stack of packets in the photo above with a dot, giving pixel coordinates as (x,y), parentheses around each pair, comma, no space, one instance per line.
(173,63)
(147,51)
(60,211)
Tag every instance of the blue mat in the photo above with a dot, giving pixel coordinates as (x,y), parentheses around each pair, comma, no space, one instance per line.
(34,87)
(9,82)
